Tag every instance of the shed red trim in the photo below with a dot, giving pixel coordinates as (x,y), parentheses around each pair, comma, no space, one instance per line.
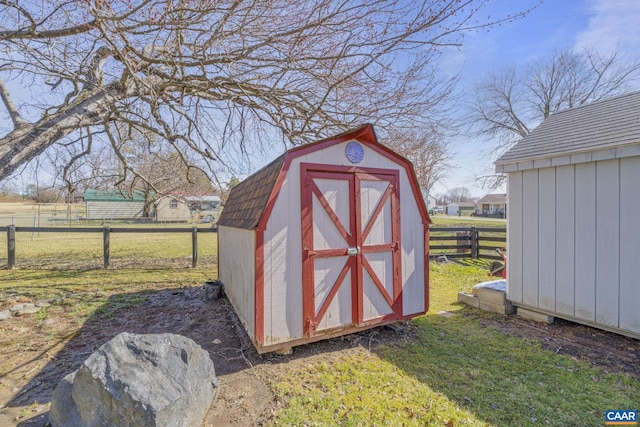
(365,135)
(426,267)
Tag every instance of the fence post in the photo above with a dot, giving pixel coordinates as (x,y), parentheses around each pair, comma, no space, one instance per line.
(474,243)
(11,247)
(194,246)
(106,232)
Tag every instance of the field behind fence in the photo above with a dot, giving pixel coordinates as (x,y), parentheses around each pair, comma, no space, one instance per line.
(41,215)
(171,246)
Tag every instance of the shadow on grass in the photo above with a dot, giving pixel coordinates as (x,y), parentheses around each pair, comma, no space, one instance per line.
(500,379)
(505,380)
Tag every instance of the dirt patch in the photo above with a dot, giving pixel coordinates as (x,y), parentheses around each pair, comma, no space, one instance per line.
(36,354)
(609,351)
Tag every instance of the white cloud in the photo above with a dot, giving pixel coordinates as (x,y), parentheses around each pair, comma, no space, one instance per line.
(612,22)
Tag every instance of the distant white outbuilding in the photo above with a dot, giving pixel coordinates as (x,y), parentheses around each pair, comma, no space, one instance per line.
(574,206)
(328,239)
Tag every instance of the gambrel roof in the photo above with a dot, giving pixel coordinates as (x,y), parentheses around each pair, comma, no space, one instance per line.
(249,200)
(602,130)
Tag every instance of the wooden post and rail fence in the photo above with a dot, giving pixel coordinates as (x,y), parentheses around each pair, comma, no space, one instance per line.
(467,242)
(106,238)
(452,242)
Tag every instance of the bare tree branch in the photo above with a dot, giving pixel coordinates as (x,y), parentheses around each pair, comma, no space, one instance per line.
(510,102)
(211,78)
(18,122)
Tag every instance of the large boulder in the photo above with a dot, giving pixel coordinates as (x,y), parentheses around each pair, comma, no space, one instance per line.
(138,380)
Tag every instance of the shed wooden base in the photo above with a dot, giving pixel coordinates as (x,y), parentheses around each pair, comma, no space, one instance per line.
(326,335)
(625,332)
(488,300)
(469,299)
(534,315)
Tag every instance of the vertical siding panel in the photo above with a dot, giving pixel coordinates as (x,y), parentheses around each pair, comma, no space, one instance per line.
(237,272)
(291,290)
(607,241)
(412,254)
(629,246)
(514,237)
(565,238)
(283,256)
(585,241)
(530,237)
(547,239)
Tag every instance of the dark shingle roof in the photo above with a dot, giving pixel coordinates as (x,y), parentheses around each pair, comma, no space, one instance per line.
(604,124)
(247,200)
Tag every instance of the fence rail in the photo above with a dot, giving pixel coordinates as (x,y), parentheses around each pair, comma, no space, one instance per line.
(467,242)
(452,242)
(106,231)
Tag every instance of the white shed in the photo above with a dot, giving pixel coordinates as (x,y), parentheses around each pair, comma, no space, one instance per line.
(573,235)
(172,208)
(329,239)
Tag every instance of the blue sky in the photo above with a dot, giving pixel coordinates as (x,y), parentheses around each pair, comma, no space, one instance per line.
(554,25)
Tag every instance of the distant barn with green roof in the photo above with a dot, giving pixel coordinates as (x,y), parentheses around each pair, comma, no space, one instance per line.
(113,204)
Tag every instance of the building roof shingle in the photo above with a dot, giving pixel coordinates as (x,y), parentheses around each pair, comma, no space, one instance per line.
(248,199)
(601,125)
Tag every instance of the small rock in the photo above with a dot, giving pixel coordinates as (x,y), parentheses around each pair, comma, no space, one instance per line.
(42,304)
(25,311)
(446,314)
(5,314)
(287,351)
(22,306)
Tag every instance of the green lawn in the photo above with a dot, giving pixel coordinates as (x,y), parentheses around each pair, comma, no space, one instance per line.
(445,369)
(454,369)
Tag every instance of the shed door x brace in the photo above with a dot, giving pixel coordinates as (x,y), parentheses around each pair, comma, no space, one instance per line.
(351,247)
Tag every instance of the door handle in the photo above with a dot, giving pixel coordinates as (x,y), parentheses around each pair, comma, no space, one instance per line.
(353,250)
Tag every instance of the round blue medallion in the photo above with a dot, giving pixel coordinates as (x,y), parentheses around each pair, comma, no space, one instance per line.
(354,152)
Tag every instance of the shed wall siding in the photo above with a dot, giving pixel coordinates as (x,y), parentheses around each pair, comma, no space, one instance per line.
(530,236)
(237,272)
(607,241)
(565,240)
(547,238)
(283,266)
(577,227)
(107,210)
(585,243)
(515,232)
(283,246)
(629,235)
(164,212)
(413,266)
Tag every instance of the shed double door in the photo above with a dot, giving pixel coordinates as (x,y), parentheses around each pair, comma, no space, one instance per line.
(351,247)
